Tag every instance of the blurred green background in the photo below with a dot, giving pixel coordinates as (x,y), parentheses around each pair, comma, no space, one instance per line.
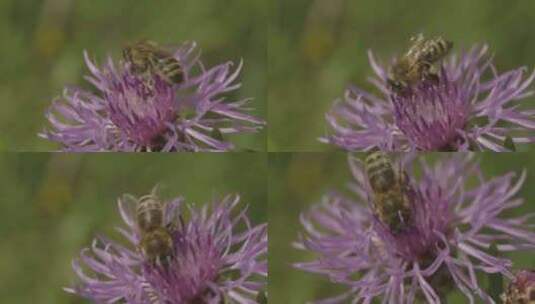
(42,43)
(298,180)
(317,47)
(54,204)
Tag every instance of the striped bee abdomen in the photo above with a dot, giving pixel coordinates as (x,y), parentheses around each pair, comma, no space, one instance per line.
(170,69)
(149,214)
(380,171)
(436,49)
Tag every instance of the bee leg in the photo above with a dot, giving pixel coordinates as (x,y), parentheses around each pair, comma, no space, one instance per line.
(428,73)
(140,250)
(171,227)
(433,73)
(401,219)
(433,77)
(163,261)
(396,86)
(150,82)
(166,261)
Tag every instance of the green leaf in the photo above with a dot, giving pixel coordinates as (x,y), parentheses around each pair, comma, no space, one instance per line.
(509,143)
(495,287)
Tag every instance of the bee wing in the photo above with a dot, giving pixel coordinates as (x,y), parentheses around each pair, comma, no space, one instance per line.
(171,213)
(170,47)
(176,51)
(152,48)
(127,208)
(164,51)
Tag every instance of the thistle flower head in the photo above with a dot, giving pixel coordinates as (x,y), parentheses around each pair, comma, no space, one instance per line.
(469,107)
(444,242)
(211,261)
(131,113)
(521,289)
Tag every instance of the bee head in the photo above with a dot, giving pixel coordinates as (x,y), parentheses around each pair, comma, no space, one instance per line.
(129,59)
(399,69)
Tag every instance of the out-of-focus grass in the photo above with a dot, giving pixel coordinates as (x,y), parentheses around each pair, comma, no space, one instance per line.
(299,180)
(318,47)
(54,204)
(43,41)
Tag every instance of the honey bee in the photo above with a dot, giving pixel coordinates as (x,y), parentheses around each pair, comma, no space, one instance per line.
(156,243)
(418,63)
(390,201)
(147,58)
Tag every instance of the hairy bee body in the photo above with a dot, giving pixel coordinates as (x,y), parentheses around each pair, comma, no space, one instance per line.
(147,59)
(156,243)
(390,201)
(418,63)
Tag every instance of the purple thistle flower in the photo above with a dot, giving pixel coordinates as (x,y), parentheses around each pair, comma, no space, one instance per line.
(132,114)
(443,247)
(521,289)
(463,111)
(212,262)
